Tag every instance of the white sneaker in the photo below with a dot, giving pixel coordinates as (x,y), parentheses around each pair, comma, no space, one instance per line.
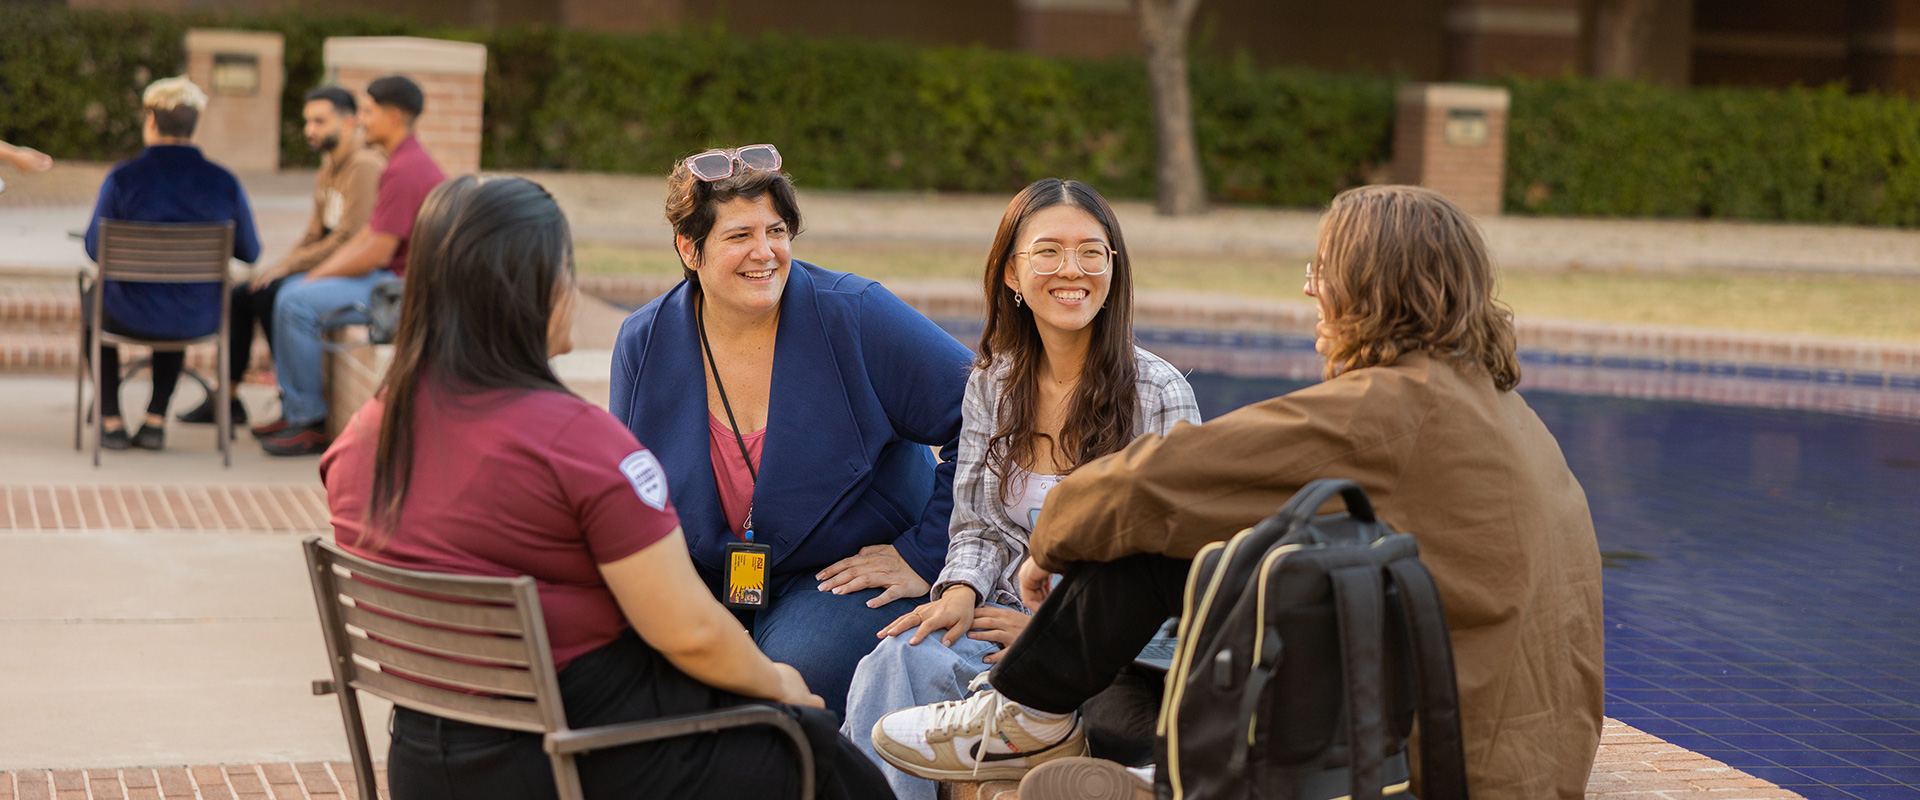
(984,737)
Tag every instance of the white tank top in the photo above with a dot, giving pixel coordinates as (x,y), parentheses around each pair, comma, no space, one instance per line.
(1029,491)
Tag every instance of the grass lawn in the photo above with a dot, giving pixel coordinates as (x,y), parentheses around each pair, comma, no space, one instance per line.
(1836,305)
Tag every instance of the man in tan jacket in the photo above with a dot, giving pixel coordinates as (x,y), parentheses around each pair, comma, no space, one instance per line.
(343,193)
(1418,408)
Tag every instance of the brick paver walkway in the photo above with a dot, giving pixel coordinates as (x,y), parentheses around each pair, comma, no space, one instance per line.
(278,781)
(1631,765)
(200,508)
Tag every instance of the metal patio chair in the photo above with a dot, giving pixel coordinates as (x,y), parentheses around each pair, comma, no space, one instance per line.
(485,636)
(155,252)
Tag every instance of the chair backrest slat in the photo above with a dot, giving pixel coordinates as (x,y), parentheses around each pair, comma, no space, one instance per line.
(489,590)
(147,252)
(519,715)
(432,611)
(477,646)
(509,681)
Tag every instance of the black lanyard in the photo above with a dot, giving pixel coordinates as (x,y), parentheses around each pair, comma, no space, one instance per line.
(700,318)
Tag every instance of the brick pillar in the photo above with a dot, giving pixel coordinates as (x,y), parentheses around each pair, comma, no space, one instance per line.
(243,73)
(450,73)
(1491,38)
(1079,28)
(1452,139)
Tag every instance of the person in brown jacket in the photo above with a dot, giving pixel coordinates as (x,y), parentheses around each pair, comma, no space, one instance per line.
(343,195)
(1418,407)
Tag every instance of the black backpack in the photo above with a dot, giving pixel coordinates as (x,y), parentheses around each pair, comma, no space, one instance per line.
(1306,645)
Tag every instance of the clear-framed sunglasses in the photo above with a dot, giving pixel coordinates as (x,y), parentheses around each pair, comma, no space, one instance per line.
(717,164)
(1047,258)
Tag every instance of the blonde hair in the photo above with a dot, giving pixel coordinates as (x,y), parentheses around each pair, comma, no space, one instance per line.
(1404,270)
(168,94)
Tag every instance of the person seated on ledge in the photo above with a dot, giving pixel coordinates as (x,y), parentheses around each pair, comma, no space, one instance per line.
(792,407)
(343,195)
(170,181)
(473,459)
(332,293)
(1418,407)
(1058,383)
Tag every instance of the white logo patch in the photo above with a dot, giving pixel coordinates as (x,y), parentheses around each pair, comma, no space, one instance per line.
(648,479)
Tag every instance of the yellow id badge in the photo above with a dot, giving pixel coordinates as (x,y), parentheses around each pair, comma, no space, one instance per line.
(746,576)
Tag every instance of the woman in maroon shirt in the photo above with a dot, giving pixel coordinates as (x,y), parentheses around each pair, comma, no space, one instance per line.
(475,460)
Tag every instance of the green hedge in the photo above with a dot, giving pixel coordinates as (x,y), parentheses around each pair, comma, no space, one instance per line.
(1625,149)
(846,114)
(858,114)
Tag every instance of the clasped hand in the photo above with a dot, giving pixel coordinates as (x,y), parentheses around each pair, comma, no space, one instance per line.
(957,614)
(875,566)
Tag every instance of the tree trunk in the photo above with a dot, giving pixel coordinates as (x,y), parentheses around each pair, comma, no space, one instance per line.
(1163,28)
(1620,32)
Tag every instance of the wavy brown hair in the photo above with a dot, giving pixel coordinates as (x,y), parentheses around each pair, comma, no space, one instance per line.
(1404,270)
(1100,414)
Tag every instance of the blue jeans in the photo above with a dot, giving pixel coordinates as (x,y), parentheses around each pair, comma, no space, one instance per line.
(822,634)
(299,312)
(897,675)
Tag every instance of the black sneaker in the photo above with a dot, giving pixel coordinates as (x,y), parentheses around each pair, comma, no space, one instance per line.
(203,413)
(115,440)
(297,440)
(150,437)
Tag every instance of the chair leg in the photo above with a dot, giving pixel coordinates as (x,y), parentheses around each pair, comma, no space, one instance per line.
(357,740)
(223,407)
(566,777)
(79,387)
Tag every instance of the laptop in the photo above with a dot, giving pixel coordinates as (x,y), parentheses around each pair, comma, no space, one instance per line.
(1158,654)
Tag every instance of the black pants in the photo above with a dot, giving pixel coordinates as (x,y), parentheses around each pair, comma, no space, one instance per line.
(248,307)
(439,759)
(166,364)
(1081,644)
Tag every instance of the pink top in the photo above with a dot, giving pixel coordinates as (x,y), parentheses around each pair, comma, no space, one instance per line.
(512,482)
(730,474)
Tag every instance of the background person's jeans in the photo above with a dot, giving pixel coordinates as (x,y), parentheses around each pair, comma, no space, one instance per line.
(897,675)
(822,634)
(297,357)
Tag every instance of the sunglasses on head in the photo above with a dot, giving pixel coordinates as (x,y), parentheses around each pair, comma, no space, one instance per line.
(717,164)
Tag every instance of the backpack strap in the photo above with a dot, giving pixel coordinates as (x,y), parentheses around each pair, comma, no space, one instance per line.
(1443,771)
(1358,594)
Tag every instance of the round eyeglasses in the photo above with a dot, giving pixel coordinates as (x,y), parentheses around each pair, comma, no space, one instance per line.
(1048,258)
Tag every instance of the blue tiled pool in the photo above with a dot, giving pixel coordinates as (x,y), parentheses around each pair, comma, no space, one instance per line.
(1762,581)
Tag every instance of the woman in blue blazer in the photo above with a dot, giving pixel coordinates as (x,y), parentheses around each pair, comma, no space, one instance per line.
(823,392)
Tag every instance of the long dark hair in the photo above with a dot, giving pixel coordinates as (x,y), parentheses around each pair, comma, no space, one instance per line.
(488,255)
(1100,414)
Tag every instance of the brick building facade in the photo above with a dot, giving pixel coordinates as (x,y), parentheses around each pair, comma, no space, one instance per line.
(1866,44)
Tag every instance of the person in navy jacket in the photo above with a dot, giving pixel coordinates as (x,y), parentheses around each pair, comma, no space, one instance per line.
(170,181)
(840,385)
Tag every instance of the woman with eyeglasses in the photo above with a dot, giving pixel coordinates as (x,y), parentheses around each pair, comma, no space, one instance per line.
(793,408)
(475,460)
(1059,382)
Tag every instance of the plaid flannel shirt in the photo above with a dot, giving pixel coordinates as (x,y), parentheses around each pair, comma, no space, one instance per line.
(986,547)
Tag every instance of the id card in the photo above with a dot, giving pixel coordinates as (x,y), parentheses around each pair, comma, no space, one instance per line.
(746,579)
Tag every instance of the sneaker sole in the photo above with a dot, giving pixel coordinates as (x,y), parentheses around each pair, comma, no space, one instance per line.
(1083,779)
(983,772)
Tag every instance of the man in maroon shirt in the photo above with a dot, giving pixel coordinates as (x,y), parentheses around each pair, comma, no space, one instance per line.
(336,292)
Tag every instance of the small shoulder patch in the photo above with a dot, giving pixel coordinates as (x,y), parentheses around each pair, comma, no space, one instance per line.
(648,479)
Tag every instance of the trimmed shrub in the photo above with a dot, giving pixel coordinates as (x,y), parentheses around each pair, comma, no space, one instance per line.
(876,115)
(1625,149)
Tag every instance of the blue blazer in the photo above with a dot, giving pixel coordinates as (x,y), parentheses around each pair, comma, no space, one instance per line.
(862,385)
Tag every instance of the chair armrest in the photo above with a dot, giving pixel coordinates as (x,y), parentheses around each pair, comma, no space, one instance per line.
(604,736)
